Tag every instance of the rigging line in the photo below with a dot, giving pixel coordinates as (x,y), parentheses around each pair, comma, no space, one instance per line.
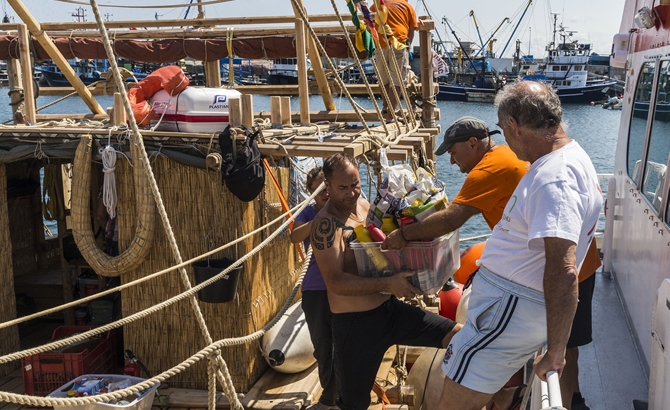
(148,277)
(126,6)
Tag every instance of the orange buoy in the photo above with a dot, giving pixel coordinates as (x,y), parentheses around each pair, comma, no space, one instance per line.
(469,258)
(449,296)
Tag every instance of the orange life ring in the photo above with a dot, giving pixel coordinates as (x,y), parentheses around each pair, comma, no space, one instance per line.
(469,259)
(169,78)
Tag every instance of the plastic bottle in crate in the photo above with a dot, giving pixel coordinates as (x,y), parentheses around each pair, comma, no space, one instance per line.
(380,262)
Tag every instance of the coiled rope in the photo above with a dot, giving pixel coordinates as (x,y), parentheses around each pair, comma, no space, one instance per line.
(109,183)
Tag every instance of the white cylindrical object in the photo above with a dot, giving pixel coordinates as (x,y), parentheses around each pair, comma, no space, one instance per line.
(194,110)
(554,390)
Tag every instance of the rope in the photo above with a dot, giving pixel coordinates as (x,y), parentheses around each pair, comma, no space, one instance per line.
(156,6)
(472,238)
(403,90)
(148,277)
(223,374)
(109,183)
(203,353)
(63,98)
(360,67)
(323,52)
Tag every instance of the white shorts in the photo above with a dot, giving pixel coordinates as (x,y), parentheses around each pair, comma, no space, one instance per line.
(401,57)
(506,324)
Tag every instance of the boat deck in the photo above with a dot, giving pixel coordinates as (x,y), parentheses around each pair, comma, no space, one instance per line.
(610,371)
(611,374)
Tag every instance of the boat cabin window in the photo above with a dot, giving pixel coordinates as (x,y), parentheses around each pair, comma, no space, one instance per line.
(555,68)
(564,68)
(659,142)
(578,68)
(638,124)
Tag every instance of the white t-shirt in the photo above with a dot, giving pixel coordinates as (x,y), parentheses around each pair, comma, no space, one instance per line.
(558,197)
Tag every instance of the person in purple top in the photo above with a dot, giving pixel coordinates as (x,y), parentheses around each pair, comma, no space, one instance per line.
(315,299)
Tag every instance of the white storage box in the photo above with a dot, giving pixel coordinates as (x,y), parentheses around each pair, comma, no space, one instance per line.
(434,261)
(196,110)
(142,400)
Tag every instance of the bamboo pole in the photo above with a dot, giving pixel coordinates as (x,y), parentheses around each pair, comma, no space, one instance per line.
(426,26)
(303,85)
(248,110)
(56,56)
(27,78)
(205,22)
(212,73)
(275,111)
(15,89)
(285,103)
(317,65)
(119,113)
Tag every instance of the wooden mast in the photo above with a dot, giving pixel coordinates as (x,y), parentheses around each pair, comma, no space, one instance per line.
(56,56)
(317,66)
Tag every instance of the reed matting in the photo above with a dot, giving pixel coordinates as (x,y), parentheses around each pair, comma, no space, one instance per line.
(203,215)
(9,337)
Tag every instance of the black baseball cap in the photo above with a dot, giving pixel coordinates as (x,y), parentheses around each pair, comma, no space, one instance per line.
(461,130)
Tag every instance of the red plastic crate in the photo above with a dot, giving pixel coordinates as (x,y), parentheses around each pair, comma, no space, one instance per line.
(46,372)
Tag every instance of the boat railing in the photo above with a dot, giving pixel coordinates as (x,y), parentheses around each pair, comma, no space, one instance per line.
(603,180)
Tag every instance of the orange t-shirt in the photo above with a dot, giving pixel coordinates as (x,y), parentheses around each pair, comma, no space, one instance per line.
(591,262)
(401,16)
(490,184)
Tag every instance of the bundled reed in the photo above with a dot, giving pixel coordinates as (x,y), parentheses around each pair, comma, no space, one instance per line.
(203,215)
(9,337)
(102,263)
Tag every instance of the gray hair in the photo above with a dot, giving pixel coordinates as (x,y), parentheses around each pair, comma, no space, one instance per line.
(540,112)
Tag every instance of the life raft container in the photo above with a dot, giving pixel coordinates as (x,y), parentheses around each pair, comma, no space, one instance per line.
(194,110)
(169,78)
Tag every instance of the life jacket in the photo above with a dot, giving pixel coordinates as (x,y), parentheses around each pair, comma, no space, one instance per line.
(169,78)
(243,174)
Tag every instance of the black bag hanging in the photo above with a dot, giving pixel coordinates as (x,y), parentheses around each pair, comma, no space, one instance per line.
(243,175)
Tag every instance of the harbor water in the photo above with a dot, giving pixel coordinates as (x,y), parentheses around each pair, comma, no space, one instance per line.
(594,128)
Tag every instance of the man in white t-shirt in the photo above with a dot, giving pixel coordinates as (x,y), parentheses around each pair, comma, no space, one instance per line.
(525,293)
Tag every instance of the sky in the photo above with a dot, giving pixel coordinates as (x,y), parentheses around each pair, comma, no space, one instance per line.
(593,21)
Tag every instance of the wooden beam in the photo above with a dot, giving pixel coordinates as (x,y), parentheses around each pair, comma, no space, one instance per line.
(285,103)
(426,56)
(15,89)
(27,78)
(303,86)
(234,111)
(317,65)
(119,116)
(275,112)
(206,22)
(56,56)
(316,151)
(248,110)
(212,73)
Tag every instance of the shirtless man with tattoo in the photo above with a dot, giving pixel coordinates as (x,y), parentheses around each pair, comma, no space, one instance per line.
(367,316)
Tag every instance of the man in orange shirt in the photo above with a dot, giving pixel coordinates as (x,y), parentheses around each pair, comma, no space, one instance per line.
(494,172)
(402,22)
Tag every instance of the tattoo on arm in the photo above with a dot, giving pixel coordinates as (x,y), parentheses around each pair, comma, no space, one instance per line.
(323,234)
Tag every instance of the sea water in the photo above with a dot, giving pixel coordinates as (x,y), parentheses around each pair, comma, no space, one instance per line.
(593,127)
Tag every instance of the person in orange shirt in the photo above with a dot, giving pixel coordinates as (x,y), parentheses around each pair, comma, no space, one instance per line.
(493,173)
(402,22)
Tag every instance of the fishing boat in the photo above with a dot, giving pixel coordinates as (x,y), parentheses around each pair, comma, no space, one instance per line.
(566,69)
(52,75)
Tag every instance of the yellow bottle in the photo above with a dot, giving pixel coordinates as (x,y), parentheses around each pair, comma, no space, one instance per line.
(376,256)
(388,226)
